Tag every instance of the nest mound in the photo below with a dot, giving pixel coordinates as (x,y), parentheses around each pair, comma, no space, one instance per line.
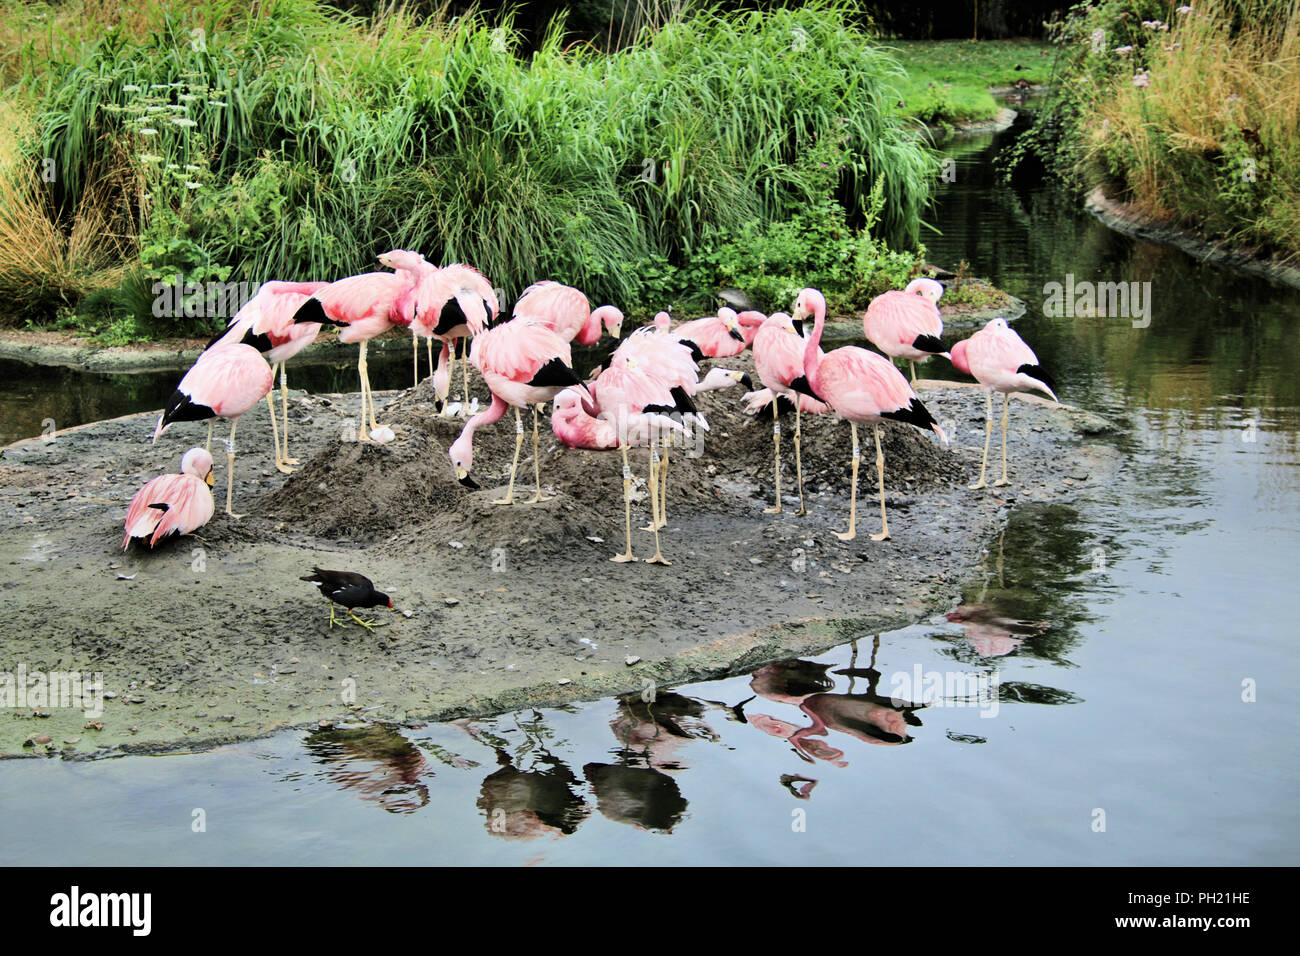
(406,492)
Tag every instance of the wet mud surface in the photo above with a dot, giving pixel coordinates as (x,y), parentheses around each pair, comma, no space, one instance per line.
(213,637)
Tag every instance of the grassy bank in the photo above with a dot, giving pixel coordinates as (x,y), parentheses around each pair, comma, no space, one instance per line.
(1188,113)
(293,140)
(948,81)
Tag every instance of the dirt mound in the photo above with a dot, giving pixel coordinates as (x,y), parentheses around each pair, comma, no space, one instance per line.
(406,491)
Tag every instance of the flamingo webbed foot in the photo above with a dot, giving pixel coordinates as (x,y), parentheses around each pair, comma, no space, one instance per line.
(623,558)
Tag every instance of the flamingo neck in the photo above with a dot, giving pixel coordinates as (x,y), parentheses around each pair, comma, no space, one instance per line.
(812,356)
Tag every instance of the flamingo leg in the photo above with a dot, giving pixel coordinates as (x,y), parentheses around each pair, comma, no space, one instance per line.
(280,466)
(514,466)
(537,473)
(428,347)
(880,479)
(451,370)
(654,488)
(627,511)
(658,556)
(853,498)
(284,407)
(988,433)
(663,485)
(230,469)
(776,452)
(913,364)
(1006,404)
(208,446)
(464,371)
(798,460)
(415,357)
(363,434)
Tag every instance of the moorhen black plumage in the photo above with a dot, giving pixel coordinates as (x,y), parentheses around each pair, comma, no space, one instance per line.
(350,590)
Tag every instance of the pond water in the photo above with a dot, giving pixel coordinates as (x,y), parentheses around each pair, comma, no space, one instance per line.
(1111,689)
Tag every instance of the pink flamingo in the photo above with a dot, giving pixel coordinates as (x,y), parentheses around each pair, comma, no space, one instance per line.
(523,363)
(631,408)
(779,359)
(415,267)
(363,306)
(1000,360)
(225,382)
(861,387)
(717,336)
(750,322)
(266,323)
(172,504)
(452,302)
(567,312)
(674,361)
(907,324)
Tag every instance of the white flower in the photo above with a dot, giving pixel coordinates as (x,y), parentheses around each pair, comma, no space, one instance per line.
(191,169)
(150,158)
(183,121)
(130,88)
(192,185)
(172,166)
(176,107)
(148,131)
(1142,80)
(1123,50)
(1183,10)
(186,97)
(216,102)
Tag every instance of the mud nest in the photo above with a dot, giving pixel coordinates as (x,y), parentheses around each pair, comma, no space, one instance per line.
(405,493)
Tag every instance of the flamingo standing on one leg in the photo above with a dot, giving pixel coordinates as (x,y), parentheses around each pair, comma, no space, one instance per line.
(631,409)
(172,504)
(266,322)
(779,359)
(1000,360)
(907,324)
(861,387)
(225,382)
(363,306)
(453,302)
(524,364)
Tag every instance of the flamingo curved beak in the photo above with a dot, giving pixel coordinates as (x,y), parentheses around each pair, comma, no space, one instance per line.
(210,479)
(463,477)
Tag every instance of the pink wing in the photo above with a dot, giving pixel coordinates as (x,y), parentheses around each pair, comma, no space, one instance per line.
(229,379)
(860,384)
(189,507)
(518,349)
(896,318)
(368,297)
(712,336)
(663,355)
(997,349)
(469,278)
(778,356)
(562,308)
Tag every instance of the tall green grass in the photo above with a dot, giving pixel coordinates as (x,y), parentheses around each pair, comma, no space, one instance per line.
(292,140)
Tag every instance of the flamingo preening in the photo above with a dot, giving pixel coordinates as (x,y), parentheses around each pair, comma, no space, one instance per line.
(863,388)
(363,306)
(266,322)
(452,302)
(1000,360)
(631,407)
(523,363)
(907,324)
(172,504)
(413,266)
(225,382)
(779,360)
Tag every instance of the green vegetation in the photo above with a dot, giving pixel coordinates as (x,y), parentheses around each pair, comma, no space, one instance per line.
(1190,113)
(948,81)
(222,142)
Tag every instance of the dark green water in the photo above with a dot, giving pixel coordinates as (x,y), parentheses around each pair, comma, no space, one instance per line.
(1133,656)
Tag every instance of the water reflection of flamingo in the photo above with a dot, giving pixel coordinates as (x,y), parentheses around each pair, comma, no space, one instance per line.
(638,791)
(376,762)
(990,633)
(532,793)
